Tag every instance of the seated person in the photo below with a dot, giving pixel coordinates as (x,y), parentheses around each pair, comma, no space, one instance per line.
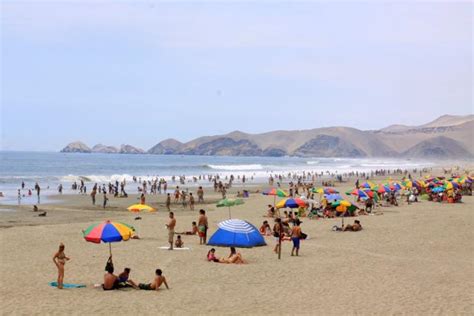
(193,231)
(157,282)
(234,257)
(179,242)
(124,279)
(211,255)
(265,229)
(354,227)
(270,211)
(239,194)
(110,279)
(369,204)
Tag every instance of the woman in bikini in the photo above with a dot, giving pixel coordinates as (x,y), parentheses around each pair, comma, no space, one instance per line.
(59,260)
(234,257)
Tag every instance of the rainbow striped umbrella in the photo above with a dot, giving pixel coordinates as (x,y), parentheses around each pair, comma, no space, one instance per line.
(275,192)
(108,232)
(291,203)
(367,185)
(359,193)
(325,190)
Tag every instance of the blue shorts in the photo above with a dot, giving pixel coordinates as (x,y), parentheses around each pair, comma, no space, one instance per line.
(296,242)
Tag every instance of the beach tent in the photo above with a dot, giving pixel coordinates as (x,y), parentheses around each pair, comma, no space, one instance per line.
(236,233)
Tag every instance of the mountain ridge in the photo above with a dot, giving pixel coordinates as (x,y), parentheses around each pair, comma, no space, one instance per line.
(339,141)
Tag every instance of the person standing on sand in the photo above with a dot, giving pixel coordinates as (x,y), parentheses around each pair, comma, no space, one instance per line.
(277,230)
(191,201)
(200,193)
(37,189)
(170,226)
(168,202)
(59,260)
(142,199)
(93,194)
(295,237)
(202,227)
(105,199)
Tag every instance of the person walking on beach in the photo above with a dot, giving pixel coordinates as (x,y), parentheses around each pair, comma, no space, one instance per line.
(170,226)
(191,201)
(200,193)
(295,237)
(168,202)
(37,189)
(93,194)
(59,260)
(202,227)
(105,199)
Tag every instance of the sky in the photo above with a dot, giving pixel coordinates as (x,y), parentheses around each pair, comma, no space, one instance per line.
(138,72)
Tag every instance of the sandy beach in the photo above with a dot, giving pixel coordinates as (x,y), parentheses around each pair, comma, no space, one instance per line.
(412,259)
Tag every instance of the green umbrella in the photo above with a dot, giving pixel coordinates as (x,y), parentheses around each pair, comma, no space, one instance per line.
(229,202)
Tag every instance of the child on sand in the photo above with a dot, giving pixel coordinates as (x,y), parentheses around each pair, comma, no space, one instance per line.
(124,279)
(265,229)
(211,255)
(179,242)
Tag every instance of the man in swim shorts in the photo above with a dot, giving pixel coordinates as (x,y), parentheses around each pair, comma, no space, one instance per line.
(157,282)
(202,227)
(170,226)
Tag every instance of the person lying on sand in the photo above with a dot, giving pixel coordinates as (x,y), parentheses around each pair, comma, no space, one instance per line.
(354,227)
(211,255)
(194,230)
(157,282)
(234,257)
(124,279)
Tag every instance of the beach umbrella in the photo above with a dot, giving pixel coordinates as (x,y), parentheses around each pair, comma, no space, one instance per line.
(324,190)
(369,193)
(229,203)
(367,185)
(140,207)
(236,233)
(451,185)
(438,189)
(343,206)
(380,189)
(291,203)
(358,192)
(333,197)
(275,192)
(108,232)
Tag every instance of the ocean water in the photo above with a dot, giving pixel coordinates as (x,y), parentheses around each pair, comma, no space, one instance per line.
(50,169)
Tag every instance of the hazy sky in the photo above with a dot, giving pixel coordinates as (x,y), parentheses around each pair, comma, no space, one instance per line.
(138,72)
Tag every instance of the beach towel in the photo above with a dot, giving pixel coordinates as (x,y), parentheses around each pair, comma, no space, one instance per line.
(174,248)
(67,285)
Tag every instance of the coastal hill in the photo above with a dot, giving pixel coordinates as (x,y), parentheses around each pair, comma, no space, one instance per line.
(448,136)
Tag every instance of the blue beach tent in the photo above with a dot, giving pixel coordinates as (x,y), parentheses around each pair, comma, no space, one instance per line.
(236,233)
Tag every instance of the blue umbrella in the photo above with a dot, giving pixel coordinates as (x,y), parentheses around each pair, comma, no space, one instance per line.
(437,189)
(236,233)
(334,197)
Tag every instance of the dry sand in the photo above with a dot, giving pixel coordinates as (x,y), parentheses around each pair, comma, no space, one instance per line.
(413,259)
